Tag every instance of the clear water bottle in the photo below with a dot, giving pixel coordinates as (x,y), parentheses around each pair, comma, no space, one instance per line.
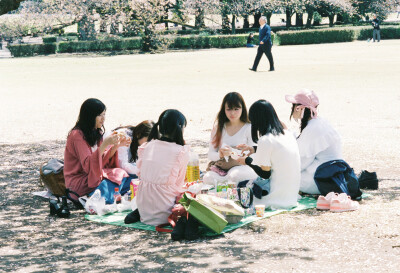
(117,196)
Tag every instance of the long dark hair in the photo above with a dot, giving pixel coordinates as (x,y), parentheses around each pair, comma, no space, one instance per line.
(232,99)
(170,125)
(305,119)
(86,122)
(138,132)
(264,120)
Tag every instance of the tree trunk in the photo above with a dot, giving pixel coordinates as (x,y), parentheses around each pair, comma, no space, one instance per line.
(103,24)
(310,14)
(257,17)
(114,28)
(233,24)
(299,19)
(288,17)
(225,21)
(246,23)
(339,18)
(268,15)
(331,19)
(86,29)
(199,19)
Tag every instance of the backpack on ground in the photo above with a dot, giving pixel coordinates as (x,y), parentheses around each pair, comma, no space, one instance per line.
(337,176)
(52,176)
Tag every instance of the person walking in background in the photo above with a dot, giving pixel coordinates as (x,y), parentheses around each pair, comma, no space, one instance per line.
(377,30)
(250,40)
(265,45)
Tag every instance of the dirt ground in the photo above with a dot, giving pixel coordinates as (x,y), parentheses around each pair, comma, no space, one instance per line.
(359,91)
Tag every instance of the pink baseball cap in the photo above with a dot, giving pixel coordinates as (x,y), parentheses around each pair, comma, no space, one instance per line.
(306,98)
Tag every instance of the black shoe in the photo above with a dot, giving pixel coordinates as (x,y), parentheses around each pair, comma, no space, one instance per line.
(54,206)
(369,184)
(252,69)
(271,69)
(178,233)
(192,229)
(132,217)
(368,180)
(58,208)
(64,210)
(367,175)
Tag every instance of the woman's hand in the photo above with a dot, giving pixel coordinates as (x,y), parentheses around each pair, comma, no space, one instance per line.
(225,151)
(245,147)
(242,160)
(112,140)
(124,141)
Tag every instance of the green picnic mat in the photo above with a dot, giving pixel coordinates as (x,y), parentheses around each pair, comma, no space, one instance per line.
(117,218)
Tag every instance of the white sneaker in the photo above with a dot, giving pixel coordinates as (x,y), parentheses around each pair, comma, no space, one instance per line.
(342,203)
(324,202)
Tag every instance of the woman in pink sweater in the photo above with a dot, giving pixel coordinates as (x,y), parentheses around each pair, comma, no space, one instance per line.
(91,162)
(161,169)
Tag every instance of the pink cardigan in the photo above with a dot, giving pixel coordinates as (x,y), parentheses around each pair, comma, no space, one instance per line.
(84,169)
(162,170)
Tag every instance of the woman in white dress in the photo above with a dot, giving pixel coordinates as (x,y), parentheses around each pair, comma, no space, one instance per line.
(318,141)
(127,156)
(231,129)
(276,157)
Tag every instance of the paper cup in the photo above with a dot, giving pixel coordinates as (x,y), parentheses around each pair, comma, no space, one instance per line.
(260,210)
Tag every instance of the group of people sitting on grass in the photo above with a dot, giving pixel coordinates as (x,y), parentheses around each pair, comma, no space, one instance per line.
(156,153)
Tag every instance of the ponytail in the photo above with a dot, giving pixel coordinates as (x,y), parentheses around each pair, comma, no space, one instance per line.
(169,124)
(305,119)
(154,133)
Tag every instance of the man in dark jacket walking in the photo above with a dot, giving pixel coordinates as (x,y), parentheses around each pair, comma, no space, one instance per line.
(265,45)
(377,30)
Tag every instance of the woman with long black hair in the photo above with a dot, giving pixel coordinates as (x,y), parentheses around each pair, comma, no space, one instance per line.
(90,161)
(161,169)
(231,128)
(275,158)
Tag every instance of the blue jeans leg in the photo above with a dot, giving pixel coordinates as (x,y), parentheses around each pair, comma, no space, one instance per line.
(107,188)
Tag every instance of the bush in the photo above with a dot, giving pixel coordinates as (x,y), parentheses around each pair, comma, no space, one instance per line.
(27,50)
(319,36)
(214,41)
(105,45)
(334,35)
(390,32)
(317,18)
(49,39)
(71,34)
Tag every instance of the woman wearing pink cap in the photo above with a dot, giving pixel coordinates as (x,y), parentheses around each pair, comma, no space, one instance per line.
(318,141)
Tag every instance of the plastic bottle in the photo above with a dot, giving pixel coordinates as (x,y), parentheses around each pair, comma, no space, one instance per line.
(193,168)
(117,196)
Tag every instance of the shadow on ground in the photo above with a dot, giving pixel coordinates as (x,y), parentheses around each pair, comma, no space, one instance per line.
(32,240)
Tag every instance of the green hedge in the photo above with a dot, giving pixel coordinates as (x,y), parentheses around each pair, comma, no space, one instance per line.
(106,45)
(315,36)
(49,39)
(26,50)
(333,35)
(214,41)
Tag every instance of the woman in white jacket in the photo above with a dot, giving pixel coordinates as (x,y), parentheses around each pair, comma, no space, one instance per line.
(127,156)
(318,141)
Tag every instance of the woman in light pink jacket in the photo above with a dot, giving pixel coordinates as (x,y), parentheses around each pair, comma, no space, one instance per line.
(161,169)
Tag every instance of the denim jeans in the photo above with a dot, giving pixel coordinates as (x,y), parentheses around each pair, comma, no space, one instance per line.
(107,188)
